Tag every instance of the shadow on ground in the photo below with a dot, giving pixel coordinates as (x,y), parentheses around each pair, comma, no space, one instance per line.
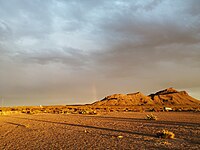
(148,121)
(85,126)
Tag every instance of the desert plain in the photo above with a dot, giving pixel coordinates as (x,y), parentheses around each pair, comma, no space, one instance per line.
(104,130)
(81,74)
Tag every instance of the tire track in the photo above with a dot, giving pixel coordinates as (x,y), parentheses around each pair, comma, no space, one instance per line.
(16,125)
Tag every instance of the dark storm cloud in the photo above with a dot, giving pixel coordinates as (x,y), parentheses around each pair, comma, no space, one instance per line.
(62,49)
(136,44)
(73,58)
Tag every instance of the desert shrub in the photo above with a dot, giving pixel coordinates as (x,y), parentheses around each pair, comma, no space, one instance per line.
(87,112)
(92,112)
(165,134)
(23,111)
(26,111)
(151,117)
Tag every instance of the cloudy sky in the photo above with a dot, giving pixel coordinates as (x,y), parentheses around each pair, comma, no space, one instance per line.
(78,51)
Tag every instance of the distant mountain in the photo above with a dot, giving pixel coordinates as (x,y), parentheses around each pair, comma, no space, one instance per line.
(166,97)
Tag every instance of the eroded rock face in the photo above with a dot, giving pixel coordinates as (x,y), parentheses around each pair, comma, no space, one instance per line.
(168,96)
(125,100)
(115,96)
(166,91)
(171,96)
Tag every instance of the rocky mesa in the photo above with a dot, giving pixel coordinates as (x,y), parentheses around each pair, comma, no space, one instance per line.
(165,97)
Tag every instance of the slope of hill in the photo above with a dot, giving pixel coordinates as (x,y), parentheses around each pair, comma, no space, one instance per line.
(125,99)
(171,96)
(166,97)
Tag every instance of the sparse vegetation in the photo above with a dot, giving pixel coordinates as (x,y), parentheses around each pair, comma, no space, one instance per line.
(93,110)
(151,117)
(165,134)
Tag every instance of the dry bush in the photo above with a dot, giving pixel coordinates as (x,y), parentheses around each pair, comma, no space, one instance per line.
(151,117)
(165,134)
(87,112)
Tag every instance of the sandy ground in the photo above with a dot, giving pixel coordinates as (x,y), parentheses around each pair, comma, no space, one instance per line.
(128,130)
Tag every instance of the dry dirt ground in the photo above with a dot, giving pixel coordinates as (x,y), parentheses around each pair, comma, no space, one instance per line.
(118,130)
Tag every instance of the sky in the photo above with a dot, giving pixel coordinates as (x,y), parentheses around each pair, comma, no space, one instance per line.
(79,51)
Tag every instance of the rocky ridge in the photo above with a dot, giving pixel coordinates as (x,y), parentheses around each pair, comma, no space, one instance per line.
(168,96)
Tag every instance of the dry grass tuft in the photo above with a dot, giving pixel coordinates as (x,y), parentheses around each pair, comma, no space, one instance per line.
(165,134)
(151,117)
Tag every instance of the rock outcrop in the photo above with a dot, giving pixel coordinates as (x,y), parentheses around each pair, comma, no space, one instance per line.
(171,96)
(124,100)
(168,97)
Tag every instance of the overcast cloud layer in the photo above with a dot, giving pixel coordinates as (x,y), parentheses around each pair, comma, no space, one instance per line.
(75,51)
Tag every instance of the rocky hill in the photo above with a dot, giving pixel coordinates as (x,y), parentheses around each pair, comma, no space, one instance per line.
(125,99)
(171,96)
(166,97)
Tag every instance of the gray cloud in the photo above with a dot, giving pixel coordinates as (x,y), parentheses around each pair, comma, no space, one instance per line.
(79,51)
(67,56)
(26,17)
